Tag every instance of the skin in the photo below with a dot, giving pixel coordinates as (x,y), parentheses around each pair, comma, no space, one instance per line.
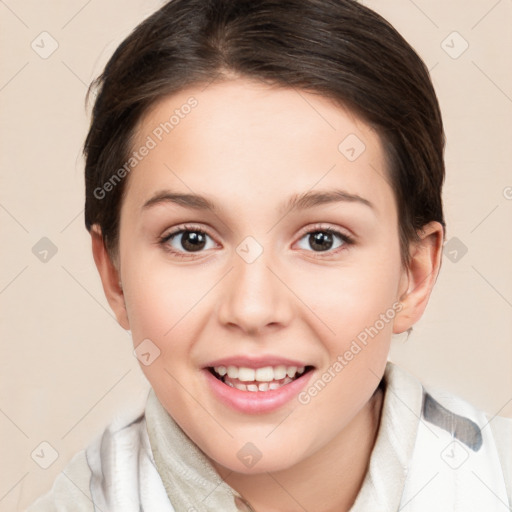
(249,147)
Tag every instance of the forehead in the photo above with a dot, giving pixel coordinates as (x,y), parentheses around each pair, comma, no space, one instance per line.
(242,139)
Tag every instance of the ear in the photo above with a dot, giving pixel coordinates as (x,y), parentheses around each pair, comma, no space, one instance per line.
(110,277)
(420,276)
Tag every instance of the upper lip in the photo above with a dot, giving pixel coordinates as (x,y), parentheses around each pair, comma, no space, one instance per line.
(255,362)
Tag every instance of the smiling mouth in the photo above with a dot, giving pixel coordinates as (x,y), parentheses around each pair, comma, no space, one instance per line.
(267,378)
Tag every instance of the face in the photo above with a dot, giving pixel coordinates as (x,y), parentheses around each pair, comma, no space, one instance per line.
(288,262)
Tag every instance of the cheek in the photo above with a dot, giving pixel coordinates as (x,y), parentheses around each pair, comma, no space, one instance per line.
(349,299)
(358,304)
(160,296)
(359,308)
(165,306)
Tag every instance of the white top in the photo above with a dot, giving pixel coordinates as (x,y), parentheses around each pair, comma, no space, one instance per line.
(432,451)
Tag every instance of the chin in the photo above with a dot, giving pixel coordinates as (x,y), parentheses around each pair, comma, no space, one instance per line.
(250,460)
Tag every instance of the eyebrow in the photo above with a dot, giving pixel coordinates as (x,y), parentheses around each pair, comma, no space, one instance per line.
(296,201)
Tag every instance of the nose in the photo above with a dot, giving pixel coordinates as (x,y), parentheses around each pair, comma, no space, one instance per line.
(255,298)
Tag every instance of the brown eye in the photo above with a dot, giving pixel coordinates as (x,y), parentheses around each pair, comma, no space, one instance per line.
(185,241)
(193,240)
(323,240)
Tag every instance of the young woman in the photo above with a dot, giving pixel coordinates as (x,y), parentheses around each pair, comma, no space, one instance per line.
(263,193)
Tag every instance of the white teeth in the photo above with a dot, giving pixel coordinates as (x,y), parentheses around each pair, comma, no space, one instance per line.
(279,372)
(291,371)
(246,374)
(232,371)
(264,386)
(263,374)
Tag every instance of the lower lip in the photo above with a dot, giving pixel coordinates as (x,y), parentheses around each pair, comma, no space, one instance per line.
(256,402)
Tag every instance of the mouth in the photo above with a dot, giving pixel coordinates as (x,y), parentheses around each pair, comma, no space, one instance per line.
(263,379)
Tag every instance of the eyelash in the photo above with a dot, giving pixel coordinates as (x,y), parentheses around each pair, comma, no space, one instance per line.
(163,241)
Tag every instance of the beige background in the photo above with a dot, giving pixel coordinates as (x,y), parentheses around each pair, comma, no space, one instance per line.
(67,367)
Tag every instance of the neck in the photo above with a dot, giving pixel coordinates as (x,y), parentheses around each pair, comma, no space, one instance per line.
(334,475)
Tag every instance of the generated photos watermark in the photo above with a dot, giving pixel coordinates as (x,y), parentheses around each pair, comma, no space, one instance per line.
(357,345)
(151,142)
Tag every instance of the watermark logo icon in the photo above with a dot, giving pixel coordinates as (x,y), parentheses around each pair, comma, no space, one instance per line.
(454,45)
(249,455)
(351,147)
(454,249)
(455,455)
(44,455)
(44,250)
(146,352)
(44,45)
(249,249)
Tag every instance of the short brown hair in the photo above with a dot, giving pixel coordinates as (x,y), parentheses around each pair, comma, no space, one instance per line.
(336,48)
